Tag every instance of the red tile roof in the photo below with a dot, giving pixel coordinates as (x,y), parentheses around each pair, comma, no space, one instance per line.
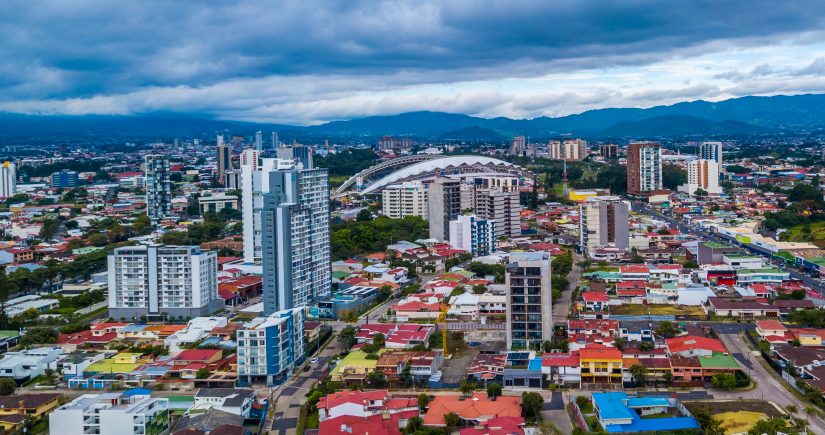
(691,342)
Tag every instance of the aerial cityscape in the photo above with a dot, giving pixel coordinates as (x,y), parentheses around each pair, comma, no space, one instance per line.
(412,218)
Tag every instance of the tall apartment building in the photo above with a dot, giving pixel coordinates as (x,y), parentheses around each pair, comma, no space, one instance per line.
(297,152)
(404,199)
(395,144)
(609,151)
(158,187)
(529,319)
(224,160)
(603,221)
(259,141)
(270,348)
(644,167)
(569,149)
(158,280)
(473,234)
(443,206)
(702,174)
(711,151)
(65,179)
(518,147)
(501,206)
(111,414)
(251,157)
(8,180)
(232,179)
(294,235)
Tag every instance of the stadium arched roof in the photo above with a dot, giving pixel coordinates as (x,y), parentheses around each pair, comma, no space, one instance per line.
(447,166)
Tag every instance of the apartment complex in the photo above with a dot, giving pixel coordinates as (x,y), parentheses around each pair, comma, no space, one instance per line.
(157,281)
(443,206)
(404,199)
(711,151)
(609,151)
(644,167)
(115,413)
(518,147)
(604,222)
(224,158)
(702,174)
(501,206)
(64,179)
(473,234)
(8,180)
(529,319)
(158,187)
(569,149)
(270,348)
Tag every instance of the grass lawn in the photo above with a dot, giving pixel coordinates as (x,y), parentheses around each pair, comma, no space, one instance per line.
(719,407)
(795,234)
(659,415)
(587,408)
(312,421)
(602,269)
(665,309)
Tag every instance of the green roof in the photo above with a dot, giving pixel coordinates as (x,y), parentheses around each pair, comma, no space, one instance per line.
(718,360)
(741,256)
(9,334)
(339,274)
(181,399)
(604,274)
(819,261)
(760,270)
(718,245)
(356,358)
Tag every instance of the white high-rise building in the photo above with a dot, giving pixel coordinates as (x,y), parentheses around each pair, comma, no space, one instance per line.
(270,348)
(569,149)
(251,157)
(529,300)
(163,281)
(8,180)
(404,199)
(711,151)
(259,141)
(603,221)
(644,167)
(702,174)
(473,234)
(158,187)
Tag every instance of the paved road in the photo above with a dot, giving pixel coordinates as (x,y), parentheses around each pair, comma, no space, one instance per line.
(768,386)
(561,308)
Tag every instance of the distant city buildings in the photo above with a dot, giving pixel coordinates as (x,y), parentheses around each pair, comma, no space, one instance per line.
(568,149)
(529,318)
(644,167)
(163,281)
(473,234)
(702,174)
(603,221)
(518,147)
(8,180)
(158,187)
(396,145)
(271,347)
(224,158)
(65,179)
(609,151)
(711,151)
(297,152)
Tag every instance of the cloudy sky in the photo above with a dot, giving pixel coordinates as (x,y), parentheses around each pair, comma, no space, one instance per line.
(309,61)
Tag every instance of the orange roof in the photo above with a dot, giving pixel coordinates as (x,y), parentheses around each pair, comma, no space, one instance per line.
(770,325)
(479,407)
(600,353)
(164,329)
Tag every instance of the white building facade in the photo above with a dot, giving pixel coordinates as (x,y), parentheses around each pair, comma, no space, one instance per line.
(8,180)
(270,348)
(473,234)
(702,174)
(404,199)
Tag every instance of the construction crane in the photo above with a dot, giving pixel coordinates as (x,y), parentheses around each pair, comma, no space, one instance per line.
(442,318)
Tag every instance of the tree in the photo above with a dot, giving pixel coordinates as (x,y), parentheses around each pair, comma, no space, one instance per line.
(423,400)
(347,336)
(378,340)
(467,387)
(364,215)
(7,386)
(646,346)
(479,289)
(452,420)
(639,374)
(673,176)
(202,374)
(666,329)
(531,404)
(723,381)
(376,379)
(493,390)
(413,424)
(668,379)
(792,409)
(770,427)
(619,342)
(709,425)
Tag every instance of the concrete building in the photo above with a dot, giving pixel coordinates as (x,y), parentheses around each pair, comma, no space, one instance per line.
(158,280)
(251,157)
(644,167)
(294,232)
(702,174)
(216,203)
(65,179)
(28,364)
(609,151)
(404,199)
(112,414)
(158,187)
(474,235)
(443,206)
(232,179)
(603,221)
(8,180)
(297,152)
(224,159)
(518,147)
(568,149)
(270,348)
(529,320)
(711,151)
(501,206)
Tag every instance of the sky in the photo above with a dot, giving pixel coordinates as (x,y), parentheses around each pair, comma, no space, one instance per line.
(308,62)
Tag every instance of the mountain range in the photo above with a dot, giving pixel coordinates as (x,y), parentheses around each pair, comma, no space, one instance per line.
(737,116)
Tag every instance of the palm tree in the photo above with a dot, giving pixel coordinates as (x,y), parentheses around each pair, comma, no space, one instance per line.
(639,373)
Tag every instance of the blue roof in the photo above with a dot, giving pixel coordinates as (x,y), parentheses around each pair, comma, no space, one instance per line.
(611,406)
(654,424)
(534,364)
(137,392)
(643,402)
(133,328)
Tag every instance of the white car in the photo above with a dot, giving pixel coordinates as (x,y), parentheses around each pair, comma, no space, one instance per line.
(314,360)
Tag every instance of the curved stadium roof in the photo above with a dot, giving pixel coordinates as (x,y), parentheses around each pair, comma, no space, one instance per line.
(436,165)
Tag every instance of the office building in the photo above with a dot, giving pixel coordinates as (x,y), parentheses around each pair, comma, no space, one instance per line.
(232,179)
(217,202)
(65,179)
(163,281)
(158,187)
(443,206)
(404,199)
(297,152)
(8,180)
(259,141)
(293,229)
(569,149)
(224,159)
(711,151)
(609,151)
(501,206)
(702,174)
(603,221)
(115,413)
(473,234)
(518,147)
(529,319)
(644,167)
(270,348)
(251,157)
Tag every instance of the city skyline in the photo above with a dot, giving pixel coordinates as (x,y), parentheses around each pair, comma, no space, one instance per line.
(302,64)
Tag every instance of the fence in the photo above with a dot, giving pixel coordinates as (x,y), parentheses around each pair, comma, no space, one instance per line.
(577,416)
